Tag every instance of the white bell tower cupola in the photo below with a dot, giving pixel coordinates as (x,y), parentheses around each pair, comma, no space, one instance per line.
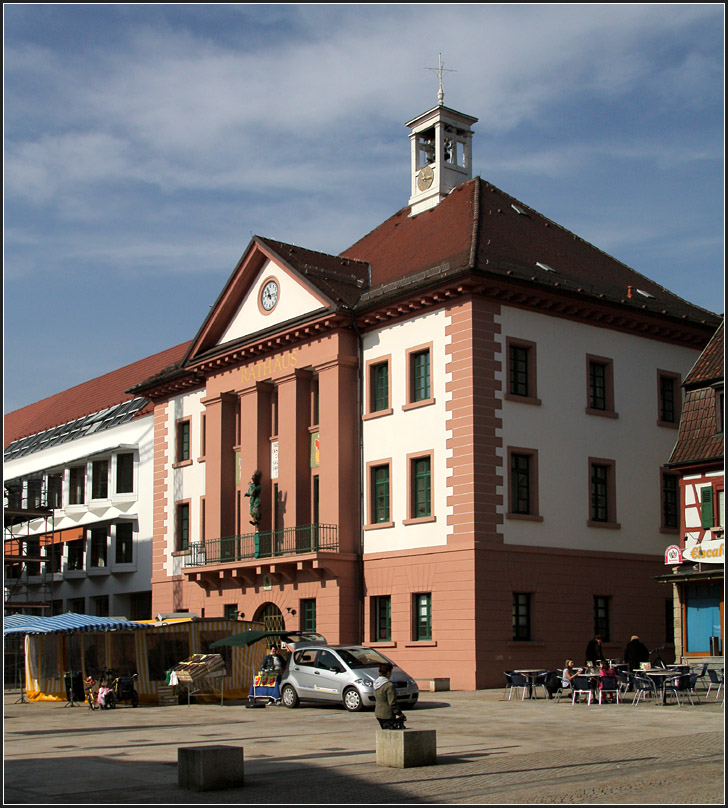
(441,149)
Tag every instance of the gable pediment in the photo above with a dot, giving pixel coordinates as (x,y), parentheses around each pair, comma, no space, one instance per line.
(239,311)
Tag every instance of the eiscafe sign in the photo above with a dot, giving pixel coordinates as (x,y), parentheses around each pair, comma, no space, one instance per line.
(705,552)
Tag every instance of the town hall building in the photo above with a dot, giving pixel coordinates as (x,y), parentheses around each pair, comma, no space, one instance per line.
(448,442)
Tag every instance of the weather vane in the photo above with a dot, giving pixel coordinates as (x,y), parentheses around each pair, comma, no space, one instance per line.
(439,71)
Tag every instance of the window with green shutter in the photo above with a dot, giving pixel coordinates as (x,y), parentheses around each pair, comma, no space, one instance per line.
(380,490)
(381,618)
(379,387)
(423,616)
(421,488)
(420,375)
(707,519)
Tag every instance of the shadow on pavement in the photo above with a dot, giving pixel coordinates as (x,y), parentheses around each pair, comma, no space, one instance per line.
(102,780)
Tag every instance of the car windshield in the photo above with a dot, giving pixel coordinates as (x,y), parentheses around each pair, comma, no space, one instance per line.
(361,657)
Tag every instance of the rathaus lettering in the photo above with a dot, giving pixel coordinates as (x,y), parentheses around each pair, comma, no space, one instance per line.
(268,367)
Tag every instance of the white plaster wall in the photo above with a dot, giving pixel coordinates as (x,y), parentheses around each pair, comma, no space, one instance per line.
(186,482)
(294,300)
(401,433)
(566,436)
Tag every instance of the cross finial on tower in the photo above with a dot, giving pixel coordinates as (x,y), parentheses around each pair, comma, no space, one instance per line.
(439,71)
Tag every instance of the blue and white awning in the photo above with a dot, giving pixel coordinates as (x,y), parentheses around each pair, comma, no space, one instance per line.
(69,623)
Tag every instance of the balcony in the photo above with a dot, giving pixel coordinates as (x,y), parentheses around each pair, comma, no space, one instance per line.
(279,553)
(270,544)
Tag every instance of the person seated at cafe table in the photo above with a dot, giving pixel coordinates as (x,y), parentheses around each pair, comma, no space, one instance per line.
(606,670)
(569,673)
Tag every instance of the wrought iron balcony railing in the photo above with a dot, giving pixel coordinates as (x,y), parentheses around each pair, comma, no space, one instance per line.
(272,543)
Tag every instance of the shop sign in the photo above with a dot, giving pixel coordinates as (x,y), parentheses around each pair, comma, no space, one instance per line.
(673,555)
(711,551)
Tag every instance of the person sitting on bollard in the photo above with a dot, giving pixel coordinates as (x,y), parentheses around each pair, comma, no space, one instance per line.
(387,710)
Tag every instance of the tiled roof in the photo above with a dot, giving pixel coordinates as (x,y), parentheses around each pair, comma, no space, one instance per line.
(709,367)
(340,279)
(86,398)
(481,227)
(698,439)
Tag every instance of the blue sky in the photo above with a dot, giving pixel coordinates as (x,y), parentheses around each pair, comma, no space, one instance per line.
(146,144)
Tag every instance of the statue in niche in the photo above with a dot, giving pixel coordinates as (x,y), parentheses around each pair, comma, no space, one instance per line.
(254,494)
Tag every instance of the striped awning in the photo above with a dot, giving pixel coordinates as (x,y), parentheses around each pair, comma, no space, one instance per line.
(18,620)
(70,623)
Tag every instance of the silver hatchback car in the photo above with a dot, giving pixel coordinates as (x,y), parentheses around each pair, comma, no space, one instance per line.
(340,674)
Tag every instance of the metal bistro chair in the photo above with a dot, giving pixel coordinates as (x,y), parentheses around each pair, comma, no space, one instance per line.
(623,678)
(642,687)
(580,684)
(509,683)
(715,679)
(701,672)
(683,683)
(609,686)
(518,680)
(540,681)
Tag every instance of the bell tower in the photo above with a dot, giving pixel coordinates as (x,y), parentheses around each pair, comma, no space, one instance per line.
(441,152)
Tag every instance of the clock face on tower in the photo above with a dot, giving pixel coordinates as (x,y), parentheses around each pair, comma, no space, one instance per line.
(269,295)
(425,178)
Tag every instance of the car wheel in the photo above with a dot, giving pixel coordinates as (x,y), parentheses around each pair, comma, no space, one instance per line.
(289,697)
(352,700)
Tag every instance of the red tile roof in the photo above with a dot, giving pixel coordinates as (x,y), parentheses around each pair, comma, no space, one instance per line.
(479,226)
(86,398)
(709,367)
(699,439)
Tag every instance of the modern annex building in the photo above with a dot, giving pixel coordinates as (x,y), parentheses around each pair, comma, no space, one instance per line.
(78,515)
(448,441)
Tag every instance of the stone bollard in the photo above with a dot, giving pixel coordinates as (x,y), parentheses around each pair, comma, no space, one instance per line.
(403,749)
(203,768)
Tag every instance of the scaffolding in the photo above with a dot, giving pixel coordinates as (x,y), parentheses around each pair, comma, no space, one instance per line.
(31,557)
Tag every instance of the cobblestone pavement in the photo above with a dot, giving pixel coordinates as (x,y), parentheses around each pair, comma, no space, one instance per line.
(490,750)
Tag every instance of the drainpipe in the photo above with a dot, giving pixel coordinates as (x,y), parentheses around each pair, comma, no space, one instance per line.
(360,441)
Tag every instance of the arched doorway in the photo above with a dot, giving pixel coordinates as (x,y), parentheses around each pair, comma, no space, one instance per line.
(271,618)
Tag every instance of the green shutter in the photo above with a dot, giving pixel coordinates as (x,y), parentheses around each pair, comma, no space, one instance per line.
(706,507)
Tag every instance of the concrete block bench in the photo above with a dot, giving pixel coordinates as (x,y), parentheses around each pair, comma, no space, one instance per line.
(203,768)
(406,748)
(434,685)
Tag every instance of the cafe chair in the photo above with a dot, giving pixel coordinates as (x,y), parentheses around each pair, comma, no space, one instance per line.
(623,679)
(518,680)
(509,683)
(701,671)
(679,684)
(540,681)
(715,679)
(609,686)
(642,688)
(580,684)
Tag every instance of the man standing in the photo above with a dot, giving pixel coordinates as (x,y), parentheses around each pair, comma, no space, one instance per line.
(594,651)
(635,653)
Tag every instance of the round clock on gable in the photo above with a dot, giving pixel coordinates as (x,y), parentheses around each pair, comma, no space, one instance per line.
(269,295)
